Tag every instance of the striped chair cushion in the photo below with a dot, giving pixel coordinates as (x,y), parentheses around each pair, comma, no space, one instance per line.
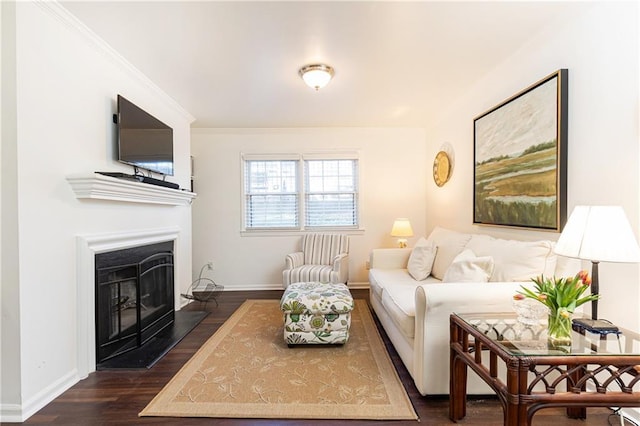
(320,273)
(321,249)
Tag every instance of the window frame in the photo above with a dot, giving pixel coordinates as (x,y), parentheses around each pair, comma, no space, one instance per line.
(301,159)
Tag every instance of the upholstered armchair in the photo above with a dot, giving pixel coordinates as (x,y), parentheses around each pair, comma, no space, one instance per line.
(323,258)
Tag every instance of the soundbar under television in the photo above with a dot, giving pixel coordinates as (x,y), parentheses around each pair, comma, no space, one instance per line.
(143,141)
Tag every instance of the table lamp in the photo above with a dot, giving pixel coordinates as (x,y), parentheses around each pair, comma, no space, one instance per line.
(402,228)
(598,234)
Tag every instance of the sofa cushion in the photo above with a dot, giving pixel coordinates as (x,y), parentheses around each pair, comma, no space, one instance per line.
(375,285)
(379,279)
(468,268)
(421,259)
(449,244)
(399,302)
(515,260)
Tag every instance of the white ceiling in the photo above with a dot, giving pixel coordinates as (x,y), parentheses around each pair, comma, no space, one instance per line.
(234,64)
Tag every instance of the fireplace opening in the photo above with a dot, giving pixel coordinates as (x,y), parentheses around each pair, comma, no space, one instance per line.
(134,297)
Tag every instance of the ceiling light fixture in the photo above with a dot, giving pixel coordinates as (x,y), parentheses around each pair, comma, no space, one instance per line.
(316,75)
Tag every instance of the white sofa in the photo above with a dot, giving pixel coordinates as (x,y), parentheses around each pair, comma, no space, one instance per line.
(415,312)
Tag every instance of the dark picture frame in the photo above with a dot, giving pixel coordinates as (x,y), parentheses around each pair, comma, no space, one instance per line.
(520,158)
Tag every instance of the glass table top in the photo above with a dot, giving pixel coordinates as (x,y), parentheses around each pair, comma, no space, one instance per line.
(523,339)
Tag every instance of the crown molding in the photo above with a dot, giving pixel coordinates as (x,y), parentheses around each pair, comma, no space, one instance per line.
(60,13)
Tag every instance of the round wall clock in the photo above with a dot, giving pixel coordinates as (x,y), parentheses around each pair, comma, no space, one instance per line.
(441,168)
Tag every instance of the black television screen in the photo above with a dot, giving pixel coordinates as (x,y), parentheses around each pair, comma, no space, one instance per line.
(143,140)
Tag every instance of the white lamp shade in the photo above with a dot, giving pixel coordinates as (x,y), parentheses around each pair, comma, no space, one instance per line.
(599,234)
(401,228)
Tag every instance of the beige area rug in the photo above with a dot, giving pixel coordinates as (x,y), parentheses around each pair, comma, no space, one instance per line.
(246,370)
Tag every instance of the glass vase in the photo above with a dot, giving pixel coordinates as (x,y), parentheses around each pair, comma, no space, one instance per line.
(559,331)
(530,312)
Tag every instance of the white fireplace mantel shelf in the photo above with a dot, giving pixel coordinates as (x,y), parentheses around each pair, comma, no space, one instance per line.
(97,186)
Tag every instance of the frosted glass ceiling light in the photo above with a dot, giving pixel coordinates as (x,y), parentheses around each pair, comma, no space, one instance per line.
(316,75)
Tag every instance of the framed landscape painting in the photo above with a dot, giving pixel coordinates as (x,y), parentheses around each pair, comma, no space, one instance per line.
(520,158)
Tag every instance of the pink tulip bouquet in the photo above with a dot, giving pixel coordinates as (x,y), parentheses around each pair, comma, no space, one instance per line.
(562,296)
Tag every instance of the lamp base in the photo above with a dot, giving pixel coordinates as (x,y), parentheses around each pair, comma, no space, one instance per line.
(595,325)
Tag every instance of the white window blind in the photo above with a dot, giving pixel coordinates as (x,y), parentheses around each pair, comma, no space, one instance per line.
(271,194)
(280,190)
(331,195)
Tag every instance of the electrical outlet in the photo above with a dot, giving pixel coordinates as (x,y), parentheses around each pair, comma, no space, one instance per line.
(367,265)
(210,265)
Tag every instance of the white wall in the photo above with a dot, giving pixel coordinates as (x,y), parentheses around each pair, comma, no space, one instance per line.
(600,49)
(10,295)
(66,84)
(393,177)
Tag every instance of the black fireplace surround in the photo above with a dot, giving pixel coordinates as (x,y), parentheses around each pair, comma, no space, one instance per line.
(134,297)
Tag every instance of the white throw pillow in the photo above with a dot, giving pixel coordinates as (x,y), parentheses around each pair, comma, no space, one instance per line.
(516,260)
(421,259)
(450,244)
(467,268)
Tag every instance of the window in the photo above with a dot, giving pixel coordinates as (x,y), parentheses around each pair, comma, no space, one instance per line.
(330,193)
(271,194)
(300,192)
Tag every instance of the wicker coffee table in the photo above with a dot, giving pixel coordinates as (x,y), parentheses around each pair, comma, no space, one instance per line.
(595,371)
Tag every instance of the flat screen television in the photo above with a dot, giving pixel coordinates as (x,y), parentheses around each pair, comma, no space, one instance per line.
(143,141)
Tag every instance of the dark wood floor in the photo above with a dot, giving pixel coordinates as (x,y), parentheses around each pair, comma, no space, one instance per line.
(116,397)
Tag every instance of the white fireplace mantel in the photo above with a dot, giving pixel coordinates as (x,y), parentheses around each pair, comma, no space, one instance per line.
(97,186)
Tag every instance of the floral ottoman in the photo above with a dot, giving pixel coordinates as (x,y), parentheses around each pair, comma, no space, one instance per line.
(316,313)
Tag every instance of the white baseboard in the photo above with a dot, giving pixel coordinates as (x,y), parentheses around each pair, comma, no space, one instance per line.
(16,413)
(253,287)
(11,413)
(279,286)
(358,285)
